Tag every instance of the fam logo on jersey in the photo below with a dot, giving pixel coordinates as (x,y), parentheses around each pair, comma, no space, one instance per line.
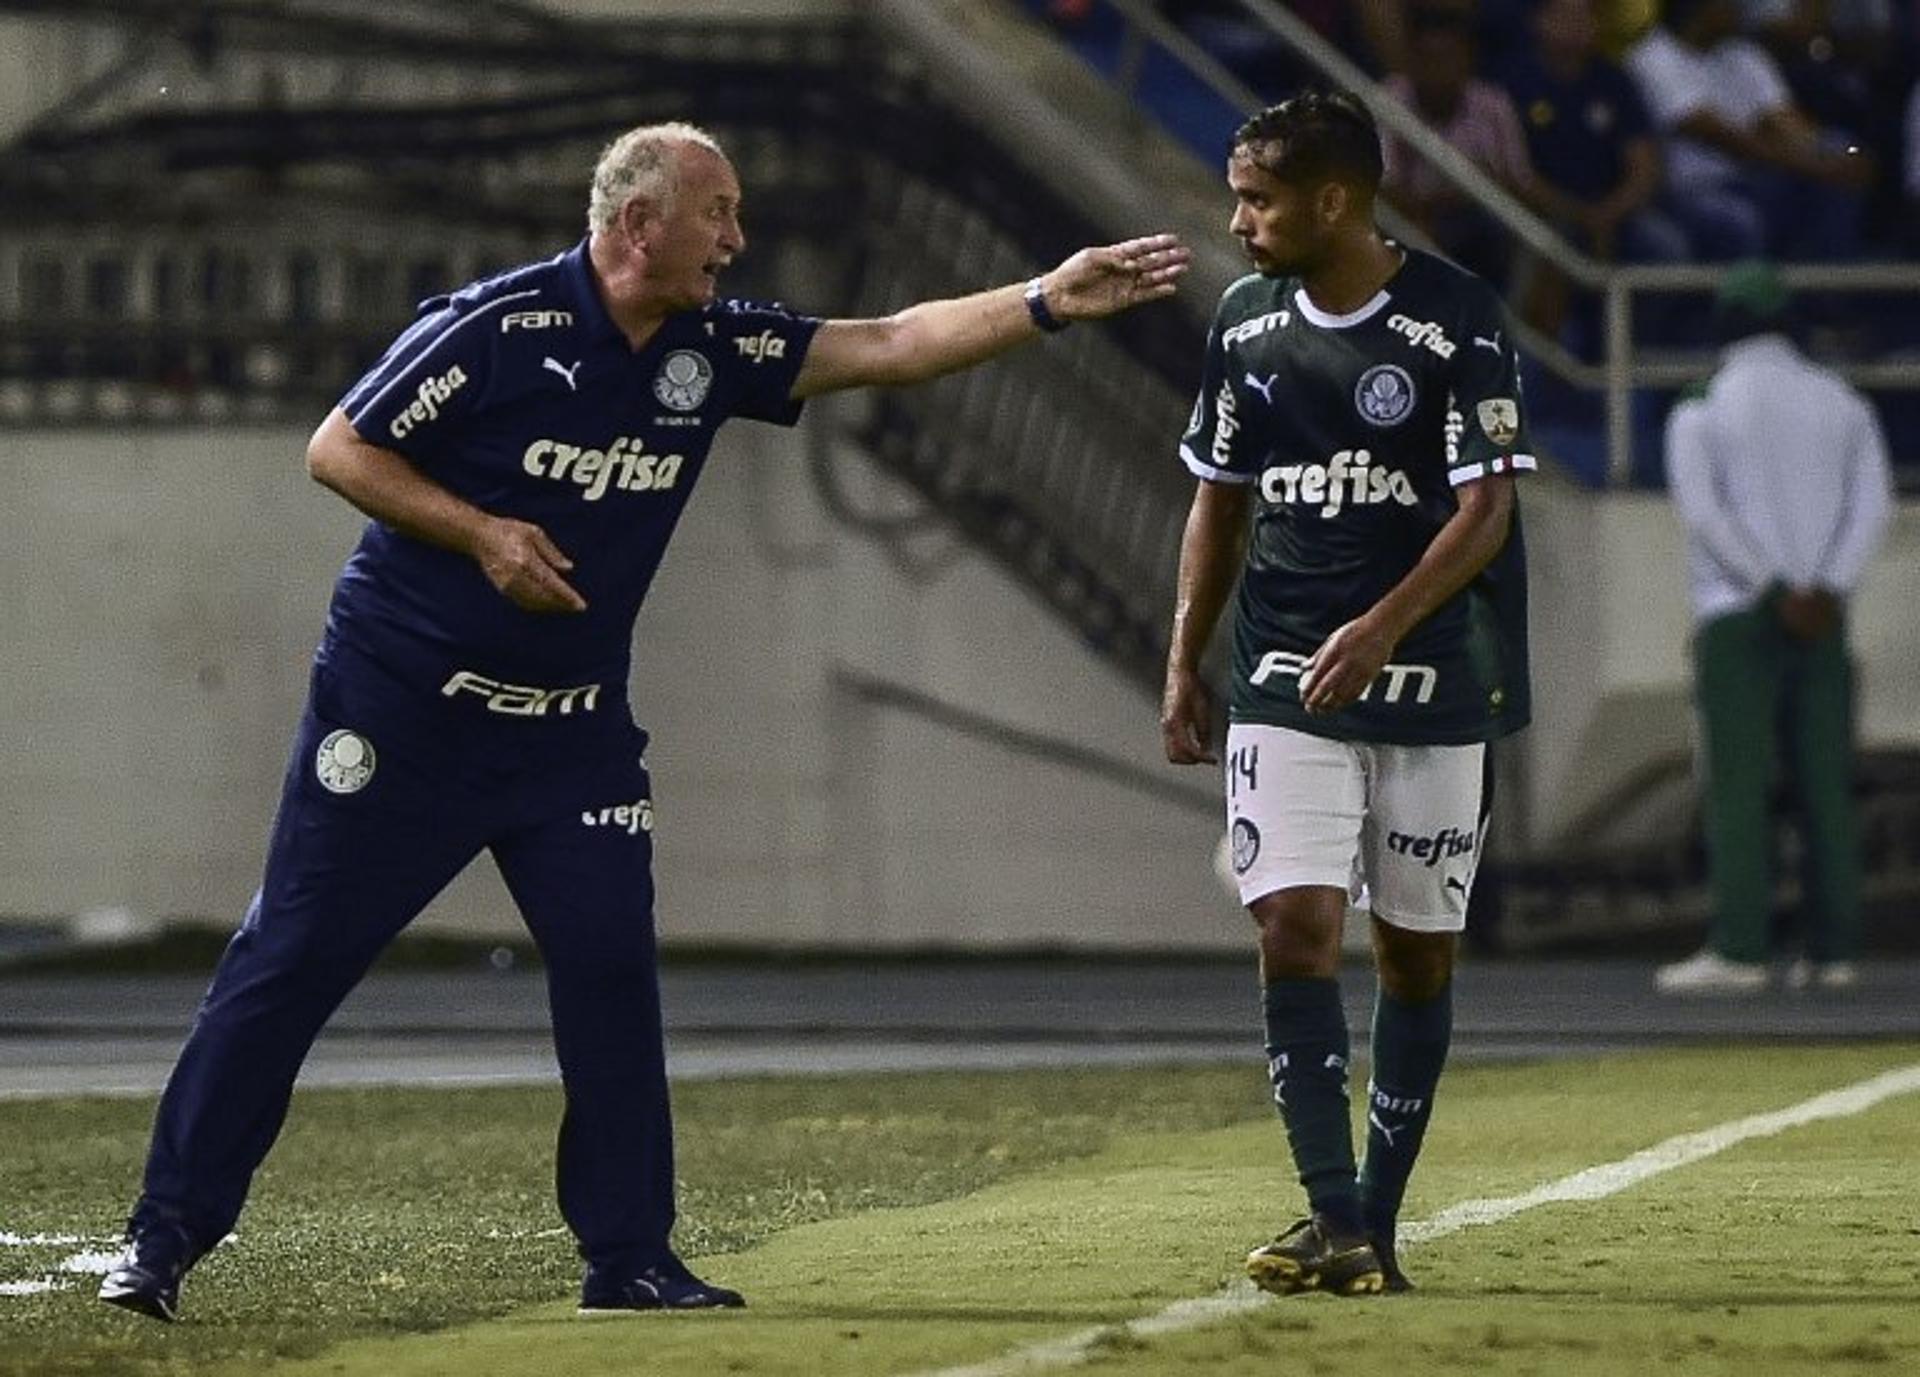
(761,347)
(625,464)
(1500,419)
(1421,679)
(534,320)
(1252,329)
(1384,395)
(433,395)
(1350,478)
(1245,845)
(1425,333)
(631,818)
(344,762)
(522,700)
(684,379)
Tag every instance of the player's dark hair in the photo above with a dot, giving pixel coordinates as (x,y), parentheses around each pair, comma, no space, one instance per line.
(1316,136)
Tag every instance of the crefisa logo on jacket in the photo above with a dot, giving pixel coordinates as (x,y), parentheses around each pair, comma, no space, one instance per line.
(344,762)
(684,379)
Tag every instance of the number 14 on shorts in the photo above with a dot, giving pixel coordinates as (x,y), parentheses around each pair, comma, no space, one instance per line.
(1243,768)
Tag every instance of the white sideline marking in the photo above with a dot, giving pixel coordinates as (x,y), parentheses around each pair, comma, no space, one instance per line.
(1594,1183)
(8,1240)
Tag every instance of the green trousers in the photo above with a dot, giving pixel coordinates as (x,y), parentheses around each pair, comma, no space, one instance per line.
(1768,699)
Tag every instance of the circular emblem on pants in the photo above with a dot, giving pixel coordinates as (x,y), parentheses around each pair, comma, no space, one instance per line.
(683,380)
(344,762)
(1246,845)
(1384,395)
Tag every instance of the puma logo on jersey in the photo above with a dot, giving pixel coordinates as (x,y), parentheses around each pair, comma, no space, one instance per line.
(625,464)
(1265,389)
(1250,329)
(1482,342)
(1349,479)
(1421,679)
(553,365)
(1425,333)
(426,404)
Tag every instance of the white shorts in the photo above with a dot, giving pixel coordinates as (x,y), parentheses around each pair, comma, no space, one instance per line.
(1399,828)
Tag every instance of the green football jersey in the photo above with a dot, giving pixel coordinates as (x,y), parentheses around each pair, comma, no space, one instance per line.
(1355,431)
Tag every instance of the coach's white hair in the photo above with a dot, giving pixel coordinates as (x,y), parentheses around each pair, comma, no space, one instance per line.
(641,163)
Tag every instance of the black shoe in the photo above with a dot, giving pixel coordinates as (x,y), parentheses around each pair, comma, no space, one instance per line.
(146,1279)
(1312,1257)
(1396,1282)
(666,1285)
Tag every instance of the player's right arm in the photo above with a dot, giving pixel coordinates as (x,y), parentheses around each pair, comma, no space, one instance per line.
(517,557)
(1211,550)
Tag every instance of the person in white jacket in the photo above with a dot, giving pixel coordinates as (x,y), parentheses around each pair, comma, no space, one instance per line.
(1780,475)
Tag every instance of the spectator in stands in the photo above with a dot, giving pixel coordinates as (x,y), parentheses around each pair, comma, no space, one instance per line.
(1846,64)
(1748,173)
(1591,145)
(1912,187)
(1472,115)
(1780,475)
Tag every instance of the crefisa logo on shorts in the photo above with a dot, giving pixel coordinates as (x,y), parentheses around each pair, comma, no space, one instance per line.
(344,762)
(1246,845)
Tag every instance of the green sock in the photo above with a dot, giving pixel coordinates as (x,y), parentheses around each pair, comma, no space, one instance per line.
(1307,1053)
(1409,1050)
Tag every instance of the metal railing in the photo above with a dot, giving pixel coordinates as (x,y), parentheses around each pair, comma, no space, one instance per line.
(1624,366)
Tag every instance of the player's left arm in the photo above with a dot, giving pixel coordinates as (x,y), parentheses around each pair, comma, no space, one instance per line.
(937,337)
(1347,661)
(1486,445)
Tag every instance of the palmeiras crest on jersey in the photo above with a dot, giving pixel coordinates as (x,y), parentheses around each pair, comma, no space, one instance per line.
(344,762)
(1384,395)
(684,379)
(1246,845)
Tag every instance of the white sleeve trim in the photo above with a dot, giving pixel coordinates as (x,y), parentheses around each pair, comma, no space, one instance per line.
(1506,463)
(1207,471)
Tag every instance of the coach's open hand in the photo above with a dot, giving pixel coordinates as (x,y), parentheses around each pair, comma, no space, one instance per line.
(1100,282)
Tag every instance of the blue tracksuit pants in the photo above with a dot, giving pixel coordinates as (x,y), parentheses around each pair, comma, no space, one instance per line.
(347,870)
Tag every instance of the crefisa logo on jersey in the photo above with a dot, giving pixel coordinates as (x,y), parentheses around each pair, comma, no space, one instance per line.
(1384,395)
(625,464)
(344,762)
(433,395)
(684,379)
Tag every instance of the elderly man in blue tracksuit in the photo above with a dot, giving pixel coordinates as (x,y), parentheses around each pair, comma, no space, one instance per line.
(524,451)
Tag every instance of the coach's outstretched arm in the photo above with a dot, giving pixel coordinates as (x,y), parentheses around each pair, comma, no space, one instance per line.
(938,337)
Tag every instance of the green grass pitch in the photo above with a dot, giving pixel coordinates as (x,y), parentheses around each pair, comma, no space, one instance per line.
(895,1224)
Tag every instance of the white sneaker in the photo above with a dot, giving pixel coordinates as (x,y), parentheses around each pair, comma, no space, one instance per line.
(1707,972)
(1830,977)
